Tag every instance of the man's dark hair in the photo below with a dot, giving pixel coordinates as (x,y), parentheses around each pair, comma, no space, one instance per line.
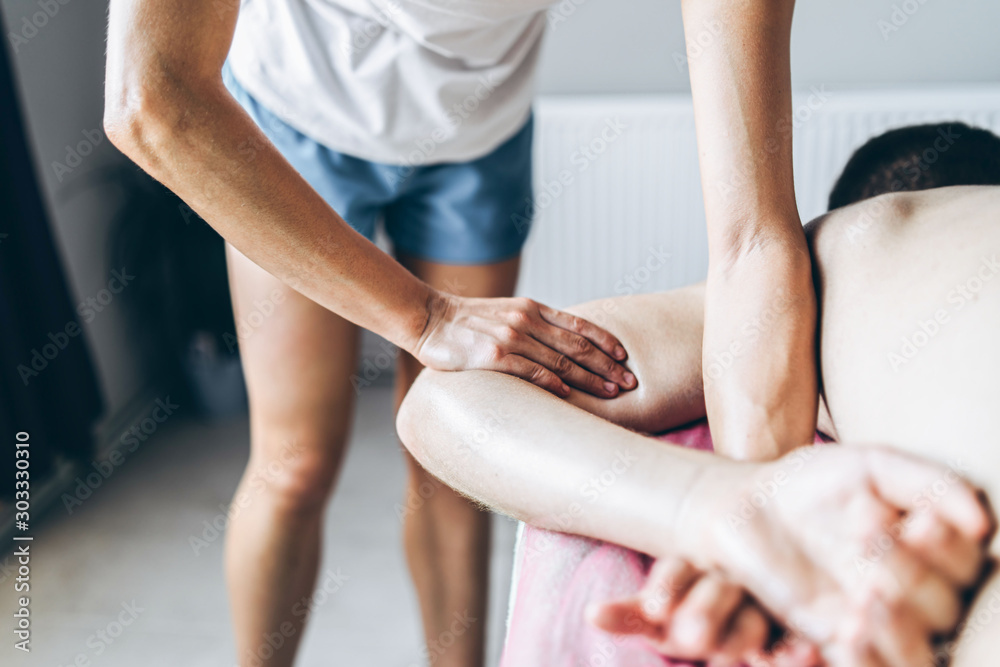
(919,157)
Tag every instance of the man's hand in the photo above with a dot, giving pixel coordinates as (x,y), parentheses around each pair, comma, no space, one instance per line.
(517,336)
(863,551)
(687,614)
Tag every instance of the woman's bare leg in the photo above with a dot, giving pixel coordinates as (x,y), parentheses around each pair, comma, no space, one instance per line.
(297,358)
(446,536)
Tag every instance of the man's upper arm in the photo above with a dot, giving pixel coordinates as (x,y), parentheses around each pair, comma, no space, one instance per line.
(662,333)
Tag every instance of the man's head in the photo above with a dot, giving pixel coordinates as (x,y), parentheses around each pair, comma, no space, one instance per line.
(919,157)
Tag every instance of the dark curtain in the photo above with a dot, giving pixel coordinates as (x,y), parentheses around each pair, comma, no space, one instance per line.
(58,405)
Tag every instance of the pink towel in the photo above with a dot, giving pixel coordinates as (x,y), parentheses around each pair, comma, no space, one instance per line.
(559,575)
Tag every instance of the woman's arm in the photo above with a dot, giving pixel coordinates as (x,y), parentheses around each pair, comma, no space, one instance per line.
(761,391)
(167,109)
(533,456)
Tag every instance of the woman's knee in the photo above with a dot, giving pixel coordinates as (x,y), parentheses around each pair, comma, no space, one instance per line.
(297,470)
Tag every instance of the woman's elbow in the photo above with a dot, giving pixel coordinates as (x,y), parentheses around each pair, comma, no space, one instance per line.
(146,116)
(135,121)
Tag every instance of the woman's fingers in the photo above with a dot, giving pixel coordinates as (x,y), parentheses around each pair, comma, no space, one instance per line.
(586,344)
(595,334)
(535,373)
(571,373)
(492,334)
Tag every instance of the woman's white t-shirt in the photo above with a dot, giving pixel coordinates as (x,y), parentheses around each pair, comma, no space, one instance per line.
(406,82)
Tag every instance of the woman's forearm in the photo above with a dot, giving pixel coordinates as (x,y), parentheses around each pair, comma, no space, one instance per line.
(758,356)
(740,85)
(166,108)
(760,315)
(185,130)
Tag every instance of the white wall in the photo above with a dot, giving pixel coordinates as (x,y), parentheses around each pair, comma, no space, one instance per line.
(630,45)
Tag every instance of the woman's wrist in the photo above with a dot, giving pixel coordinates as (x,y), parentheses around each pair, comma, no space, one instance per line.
(438,307)
(413,324)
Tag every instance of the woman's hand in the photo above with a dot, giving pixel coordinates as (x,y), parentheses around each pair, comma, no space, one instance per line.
(864,551)
(517,336)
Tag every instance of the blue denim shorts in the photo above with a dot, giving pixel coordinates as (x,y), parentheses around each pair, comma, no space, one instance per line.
(471,212)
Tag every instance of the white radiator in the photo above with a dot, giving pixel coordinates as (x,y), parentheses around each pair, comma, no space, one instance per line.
(625,215)
(601,231)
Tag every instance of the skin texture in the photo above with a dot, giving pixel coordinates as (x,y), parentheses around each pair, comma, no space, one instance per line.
(763,403)
(874,287)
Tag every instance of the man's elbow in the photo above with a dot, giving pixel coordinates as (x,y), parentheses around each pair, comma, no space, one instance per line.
(412,418)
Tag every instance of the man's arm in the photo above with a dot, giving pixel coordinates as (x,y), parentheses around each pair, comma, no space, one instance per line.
(663,333)
(760,313)
(168,110)
(533,456)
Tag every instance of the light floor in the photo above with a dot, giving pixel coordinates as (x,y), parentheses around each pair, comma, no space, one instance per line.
(129,544)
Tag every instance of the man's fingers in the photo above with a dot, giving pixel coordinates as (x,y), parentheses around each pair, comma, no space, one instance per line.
(903,641)
(534,373)
(668,582)
(747,635)
(796,652)
(942,547)
(910,588)
(620,617)
(700,621)
(853,656)
(904,480)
